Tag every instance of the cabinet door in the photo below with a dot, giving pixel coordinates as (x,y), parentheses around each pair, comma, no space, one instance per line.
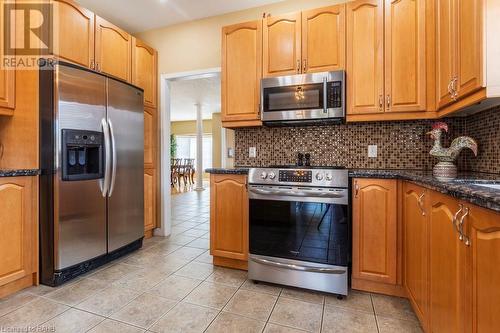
(323,39)
(241,71)
(483,269)
(149,138)
(447,267)
(73,31)
(113,49)
(416,248)
(229,216)
(405,52)
(17,229)
(445,50)
(144,70)
(470,46)
(7,77)
(374,244)
(149,199)
(282,45)
(365,57)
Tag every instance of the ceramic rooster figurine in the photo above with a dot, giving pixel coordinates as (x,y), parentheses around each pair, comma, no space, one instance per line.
(445,169)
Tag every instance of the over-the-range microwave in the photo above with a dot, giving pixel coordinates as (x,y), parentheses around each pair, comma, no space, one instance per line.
(303,99)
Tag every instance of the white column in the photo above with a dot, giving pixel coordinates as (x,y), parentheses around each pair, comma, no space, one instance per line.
(199,148)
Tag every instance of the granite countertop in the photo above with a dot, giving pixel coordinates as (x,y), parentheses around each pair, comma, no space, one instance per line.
(19,172)
(461,188)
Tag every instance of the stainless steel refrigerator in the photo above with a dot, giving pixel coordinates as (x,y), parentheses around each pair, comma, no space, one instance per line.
(92,162)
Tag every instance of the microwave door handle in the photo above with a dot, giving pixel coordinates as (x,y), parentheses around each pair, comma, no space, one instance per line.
(325,95)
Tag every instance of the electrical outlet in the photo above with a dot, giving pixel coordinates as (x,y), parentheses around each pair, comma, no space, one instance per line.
(372,151)
(252,152)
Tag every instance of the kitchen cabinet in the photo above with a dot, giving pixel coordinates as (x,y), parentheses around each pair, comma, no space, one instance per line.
(447,266)
(113,50)
(18,233)
(375,229)
(229,220)
(305,42)
(7,77)
(144,70)
(365,57)
(282,45)
(149,201)
(405,55)
(482,239)
(416,248)
(149,137)
(323,39)
(73,32)
(241,74)
(459,49)
(386,57)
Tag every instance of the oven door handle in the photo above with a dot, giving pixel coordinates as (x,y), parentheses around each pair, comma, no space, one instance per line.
(260,191)
(312,194)
(311,269)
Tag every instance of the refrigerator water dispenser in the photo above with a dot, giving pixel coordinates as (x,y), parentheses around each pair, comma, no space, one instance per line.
(82,155)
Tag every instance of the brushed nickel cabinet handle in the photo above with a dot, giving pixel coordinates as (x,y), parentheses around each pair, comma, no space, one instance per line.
(450,88)
(298,65)
(455,218)
(462,236)
(421,203)
(380,101)
(388,101)
(92,64)
(305,66)
(454,87)
(356,189)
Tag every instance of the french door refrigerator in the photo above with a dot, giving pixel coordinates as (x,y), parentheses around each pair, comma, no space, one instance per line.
(92,178)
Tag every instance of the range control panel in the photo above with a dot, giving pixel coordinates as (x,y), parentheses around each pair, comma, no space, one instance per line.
(295,176)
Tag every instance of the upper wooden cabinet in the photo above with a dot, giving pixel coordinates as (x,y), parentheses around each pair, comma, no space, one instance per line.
(323,39)
(7,77)
(113,50)
(241,74)
(73,32)
(374,224)
(229,217)
(149,138)
(447,266)
(18,233)
(144,70)
(305,42)
(282,45)
(386,62)
(365,57)
(416,248)
(459,49)
(405,55)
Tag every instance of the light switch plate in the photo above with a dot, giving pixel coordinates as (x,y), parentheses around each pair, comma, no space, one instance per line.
(252,152)
(372,151)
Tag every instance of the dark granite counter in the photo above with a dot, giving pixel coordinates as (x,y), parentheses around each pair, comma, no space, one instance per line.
(232,171)
(19,173)
(463,187)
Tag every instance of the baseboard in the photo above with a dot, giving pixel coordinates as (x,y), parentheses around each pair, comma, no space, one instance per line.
(15,286)
(230,263)
(378,287)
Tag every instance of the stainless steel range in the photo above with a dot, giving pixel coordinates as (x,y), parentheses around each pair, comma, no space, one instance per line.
(300,227)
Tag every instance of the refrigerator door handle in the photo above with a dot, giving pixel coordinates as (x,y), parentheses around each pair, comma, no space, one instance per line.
(104,183)
(113,149)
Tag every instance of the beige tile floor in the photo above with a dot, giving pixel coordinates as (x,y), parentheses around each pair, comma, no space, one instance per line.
(171,286)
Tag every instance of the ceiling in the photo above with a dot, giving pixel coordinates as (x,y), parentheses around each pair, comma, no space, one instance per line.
(141,15)
(185,94)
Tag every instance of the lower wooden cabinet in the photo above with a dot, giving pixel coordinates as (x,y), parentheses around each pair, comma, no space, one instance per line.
(18,234)
(149,201)
(447,266)
(229,220)
(375,230)
(416,248)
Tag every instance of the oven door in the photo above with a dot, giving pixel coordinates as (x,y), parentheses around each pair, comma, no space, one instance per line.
(285,223)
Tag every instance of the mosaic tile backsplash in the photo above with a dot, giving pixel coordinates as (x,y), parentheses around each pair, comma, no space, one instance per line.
(401,144)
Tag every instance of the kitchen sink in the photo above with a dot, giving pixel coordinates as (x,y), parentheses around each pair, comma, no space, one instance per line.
(491,186)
